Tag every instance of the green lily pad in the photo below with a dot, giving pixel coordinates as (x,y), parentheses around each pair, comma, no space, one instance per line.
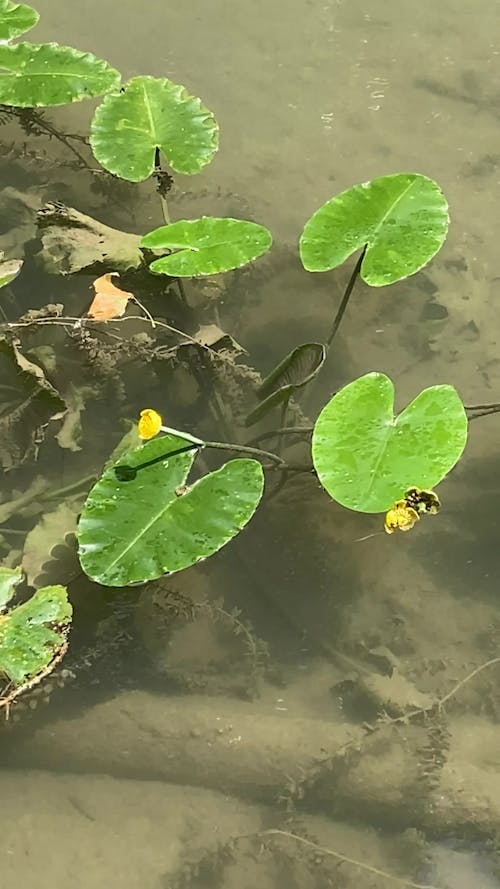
(402,218)
(366,458)
(9,578)
(153,113)
(16,19)
(153,524)
(32,634)
(49,74)
(206,246)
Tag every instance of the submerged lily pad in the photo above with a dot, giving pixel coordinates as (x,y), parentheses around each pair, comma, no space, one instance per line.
(403,220)
(9,578)
(366,458)
(52,529)
(152,114)
(9,269)
(27,403)
(33,634)
(206,246)
(15,19)
(154,524)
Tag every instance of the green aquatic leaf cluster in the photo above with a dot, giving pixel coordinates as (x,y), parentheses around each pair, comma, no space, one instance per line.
(152,521)
(400,220)
(144,523)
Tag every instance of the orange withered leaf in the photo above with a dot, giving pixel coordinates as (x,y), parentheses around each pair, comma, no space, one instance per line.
(109,301)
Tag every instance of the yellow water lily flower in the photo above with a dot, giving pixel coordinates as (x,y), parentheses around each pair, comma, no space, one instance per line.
(400,517)
(149,424)
(405,513)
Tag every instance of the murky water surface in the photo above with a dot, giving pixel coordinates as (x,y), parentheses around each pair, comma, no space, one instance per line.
(222,728)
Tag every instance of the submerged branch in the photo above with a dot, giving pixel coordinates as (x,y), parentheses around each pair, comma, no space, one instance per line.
(323,850)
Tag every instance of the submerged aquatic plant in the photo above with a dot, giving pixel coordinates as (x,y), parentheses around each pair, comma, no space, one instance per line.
(32,635)
(142,520)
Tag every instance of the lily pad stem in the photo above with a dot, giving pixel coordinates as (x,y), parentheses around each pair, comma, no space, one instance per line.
(481,410)
(346,297)
(246,449)
(79,487)
(126,473)
(164,182)
(283,430)
(161,189)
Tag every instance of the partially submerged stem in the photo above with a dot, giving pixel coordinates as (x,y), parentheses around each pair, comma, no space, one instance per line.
(164,183)
(245,449)
(125,473)
(79,487)
(475,411)
(284,430)
(283,414)
(346,297)
(482,407)
(159,173)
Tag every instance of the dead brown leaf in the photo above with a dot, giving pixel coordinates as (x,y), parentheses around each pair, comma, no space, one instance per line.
(109,301)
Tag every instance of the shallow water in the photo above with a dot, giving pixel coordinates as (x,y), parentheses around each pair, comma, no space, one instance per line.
(144,770)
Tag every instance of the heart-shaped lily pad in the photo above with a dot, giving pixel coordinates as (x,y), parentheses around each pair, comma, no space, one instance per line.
(402,218)
(151,114)
(366,458)
(206,246)
(153,523)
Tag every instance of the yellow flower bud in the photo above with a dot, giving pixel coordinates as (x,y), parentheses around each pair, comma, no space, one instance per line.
(149,424)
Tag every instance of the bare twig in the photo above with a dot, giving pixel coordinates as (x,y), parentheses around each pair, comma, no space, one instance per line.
(63,321)
(146,311)
(472,675)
